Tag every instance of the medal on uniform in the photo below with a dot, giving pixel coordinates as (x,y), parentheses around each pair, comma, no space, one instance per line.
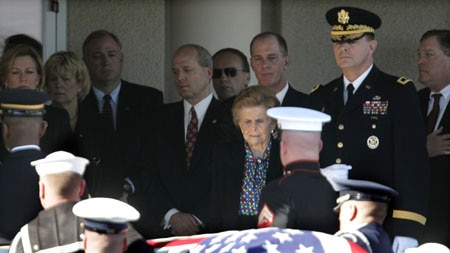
(373,142)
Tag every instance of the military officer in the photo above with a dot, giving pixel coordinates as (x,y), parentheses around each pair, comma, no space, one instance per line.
(292,201)
(376,125)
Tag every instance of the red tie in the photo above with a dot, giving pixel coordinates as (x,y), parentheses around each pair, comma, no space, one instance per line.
(432,117)
(191,136)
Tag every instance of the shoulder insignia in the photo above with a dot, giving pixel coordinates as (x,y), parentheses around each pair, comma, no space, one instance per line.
(403,80)
(315,88)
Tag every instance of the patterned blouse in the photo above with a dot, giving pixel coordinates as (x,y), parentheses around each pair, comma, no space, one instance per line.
(254,179)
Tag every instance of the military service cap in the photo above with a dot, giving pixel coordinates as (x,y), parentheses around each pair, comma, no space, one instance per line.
(23,103)
(60,162)
(105,215)
(353,189)
(298,119)
(351,23)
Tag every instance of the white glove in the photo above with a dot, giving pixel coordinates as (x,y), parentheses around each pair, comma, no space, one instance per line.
(335,171)
(401,243)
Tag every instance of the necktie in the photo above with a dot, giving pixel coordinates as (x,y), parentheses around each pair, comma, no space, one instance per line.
(106,114)
(191,136)
(350,90)
(432,117)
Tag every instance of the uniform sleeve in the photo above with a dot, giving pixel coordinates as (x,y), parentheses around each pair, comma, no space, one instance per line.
(411,163)
(275,208)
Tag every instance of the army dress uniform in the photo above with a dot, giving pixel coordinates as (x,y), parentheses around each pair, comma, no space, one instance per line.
(379,131)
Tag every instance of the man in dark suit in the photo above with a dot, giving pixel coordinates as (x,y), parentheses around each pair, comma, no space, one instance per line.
(270,62)
(187,132)
(434,73)
(376,127)
(22,127)
(114,120)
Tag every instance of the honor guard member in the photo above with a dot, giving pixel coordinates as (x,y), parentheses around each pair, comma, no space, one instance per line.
(376,125)
(22,114)
(105,224)
(362,207)
(302,198)
(61,185)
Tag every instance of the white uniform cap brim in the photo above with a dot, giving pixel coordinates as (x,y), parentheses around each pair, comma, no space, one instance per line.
(105,210)
(298,118)
(59,162)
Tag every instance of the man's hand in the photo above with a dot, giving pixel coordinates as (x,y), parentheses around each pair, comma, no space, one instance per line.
(184,224)
(438,144)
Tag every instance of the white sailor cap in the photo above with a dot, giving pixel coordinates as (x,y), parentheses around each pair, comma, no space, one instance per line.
(59,162)
(354,189)
(105,215)
(298,118)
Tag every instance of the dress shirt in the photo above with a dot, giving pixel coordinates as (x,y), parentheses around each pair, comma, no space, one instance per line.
(280,95)
(200,109)
(443,102)
(356,83)
(25,147)
(114,100)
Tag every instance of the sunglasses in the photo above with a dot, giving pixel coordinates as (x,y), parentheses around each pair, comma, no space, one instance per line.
(229,72)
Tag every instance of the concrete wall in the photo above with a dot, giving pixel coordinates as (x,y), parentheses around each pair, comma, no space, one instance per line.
(150,29)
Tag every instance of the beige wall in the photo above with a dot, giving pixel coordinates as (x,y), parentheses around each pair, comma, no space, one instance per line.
(144,27)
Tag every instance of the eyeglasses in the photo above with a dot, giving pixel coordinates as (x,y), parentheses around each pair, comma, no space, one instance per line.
(229,72)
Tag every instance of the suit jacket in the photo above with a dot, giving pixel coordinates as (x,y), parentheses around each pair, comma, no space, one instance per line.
(438,222)
(176,186)
(19,191)
(57,133)
(295,98)
(228,165)
(293,201)
(381,134)
(126,152)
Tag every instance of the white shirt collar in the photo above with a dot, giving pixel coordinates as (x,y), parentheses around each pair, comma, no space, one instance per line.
(280,95)
(200,109)
(25,147)
(358,80)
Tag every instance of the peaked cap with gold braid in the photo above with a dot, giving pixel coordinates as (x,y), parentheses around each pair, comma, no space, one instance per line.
(351,23)
(23,103)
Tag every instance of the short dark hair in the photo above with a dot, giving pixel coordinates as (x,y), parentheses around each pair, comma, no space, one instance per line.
(97,35)
(442,36)
(281,41)
(22,38)
(244,60)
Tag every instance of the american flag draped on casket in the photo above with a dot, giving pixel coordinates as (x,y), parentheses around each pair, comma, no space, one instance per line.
(270,240)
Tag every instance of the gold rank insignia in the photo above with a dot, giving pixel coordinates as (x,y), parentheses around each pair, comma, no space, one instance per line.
(403,80)
(373,142)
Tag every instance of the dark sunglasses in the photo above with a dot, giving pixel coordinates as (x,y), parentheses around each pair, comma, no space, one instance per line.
(229,72)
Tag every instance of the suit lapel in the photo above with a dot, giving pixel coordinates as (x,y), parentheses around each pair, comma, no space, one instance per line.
(206,135)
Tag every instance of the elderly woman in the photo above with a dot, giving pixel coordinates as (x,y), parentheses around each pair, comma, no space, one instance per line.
(67,79)
(241,169)
(21,68)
